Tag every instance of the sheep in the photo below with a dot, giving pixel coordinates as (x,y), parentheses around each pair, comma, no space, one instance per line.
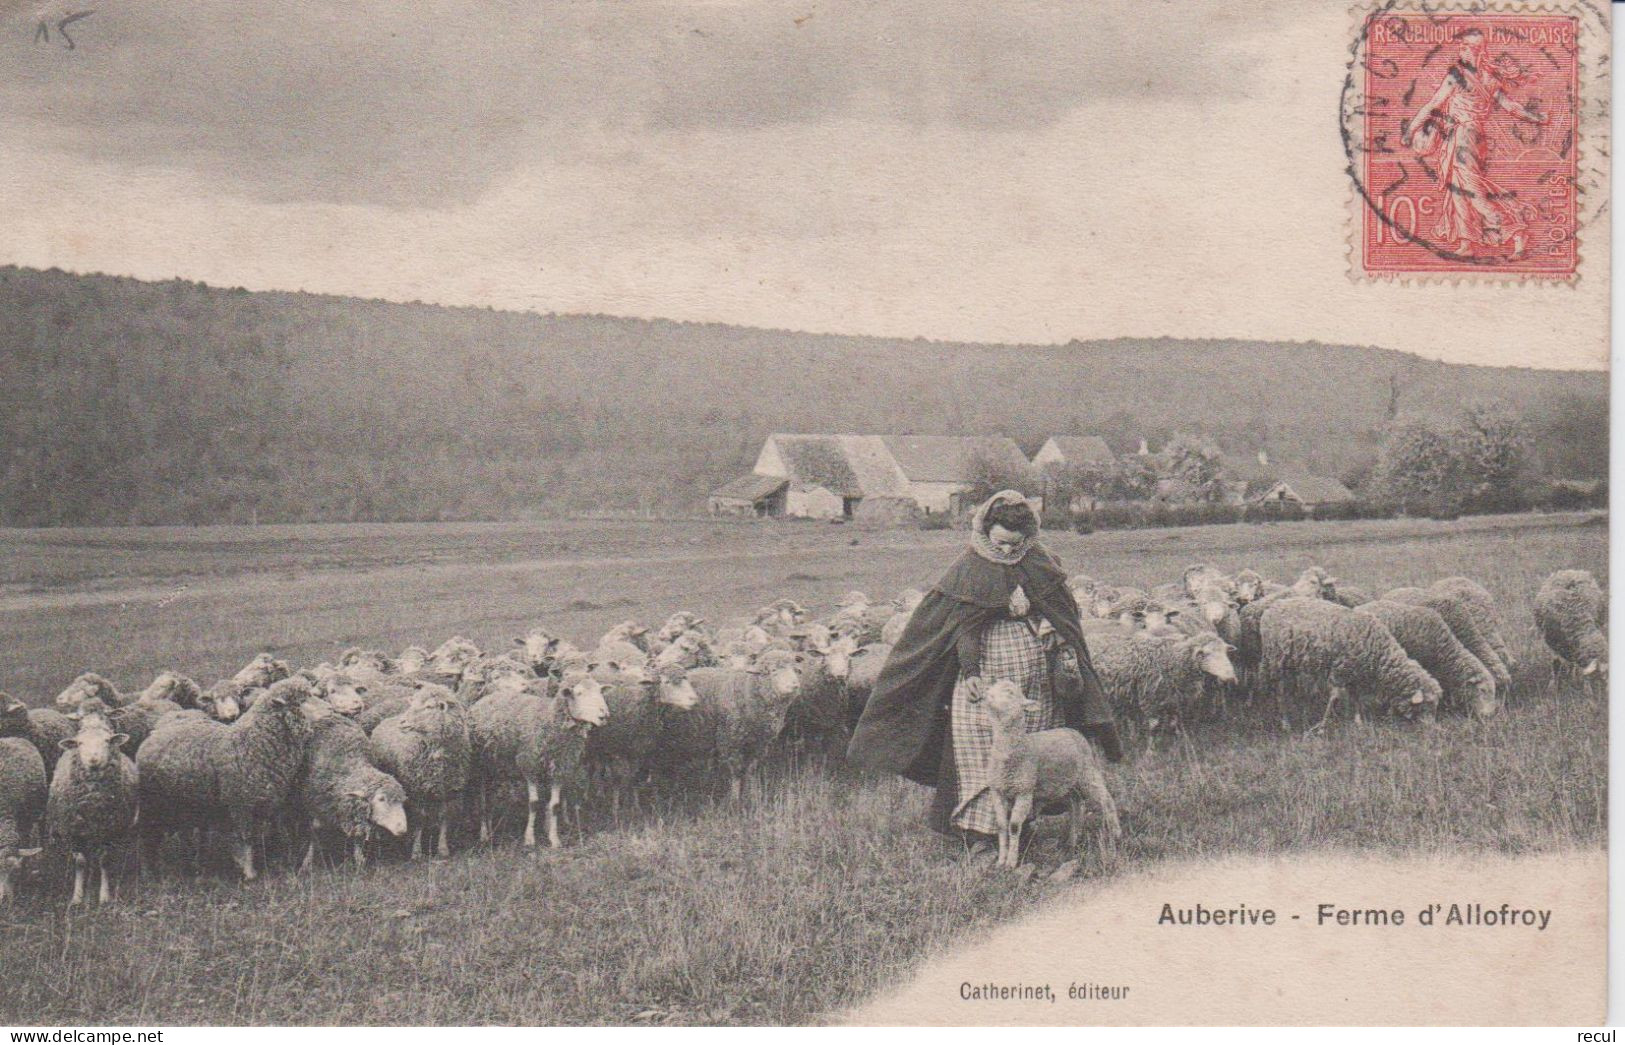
(737,715)
(193,768)
(692,649)
(861,674)
(818,716)
(1350,596)
(23,792)
(675,625)
(225,700)
(1428,640)
(451,658)
(345,692)
(1312,583)
(527,735)
(135,721)
(1156,680)
(89,686)
(1027,770)
(487,672)
(411,661)
(1463,623)
(341,790)
(1249,586)
(894,627)
(173,687)
(262,671)
(92,801)
(44,728)
(1482,606)
(628,631)
(429,749)
(620,748)
(366,663)
(1309,643)
(787,613)
(1572,615)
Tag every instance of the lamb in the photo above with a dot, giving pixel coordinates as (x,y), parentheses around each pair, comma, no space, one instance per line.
(1313,643)
(44,728)
(193,769)
(1028,770)
(429,749)
(1464,624)
(92,801)
(1482,606)
(1158,680)
(620,748)
(737,715)
(342,790)
(22,803)
(262,671)
(1428,640)
(1572,615)
(526,735)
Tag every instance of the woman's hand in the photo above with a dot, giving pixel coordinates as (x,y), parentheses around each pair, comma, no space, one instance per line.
(973,689)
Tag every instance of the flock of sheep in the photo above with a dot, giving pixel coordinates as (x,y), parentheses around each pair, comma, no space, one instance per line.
(394,745)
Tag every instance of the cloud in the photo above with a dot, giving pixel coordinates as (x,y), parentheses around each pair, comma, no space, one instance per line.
(429,104)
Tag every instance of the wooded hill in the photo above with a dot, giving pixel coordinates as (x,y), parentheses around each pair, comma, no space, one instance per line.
(123,401)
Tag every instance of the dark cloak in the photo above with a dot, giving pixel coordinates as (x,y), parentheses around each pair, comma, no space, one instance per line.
(904,726)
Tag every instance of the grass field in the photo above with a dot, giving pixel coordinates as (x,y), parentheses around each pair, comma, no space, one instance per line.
(825,887)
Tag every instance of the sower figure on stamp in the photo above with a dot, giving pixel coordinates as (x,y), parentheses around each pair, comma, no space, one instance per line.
(981,622)
(1455,122)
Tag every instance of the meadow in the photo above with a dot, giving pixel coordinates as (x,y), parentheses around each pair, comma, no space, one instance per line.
(825,887)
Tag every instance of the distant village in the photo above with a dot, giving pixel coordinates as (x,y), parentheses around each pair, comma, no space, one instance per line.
(899,478)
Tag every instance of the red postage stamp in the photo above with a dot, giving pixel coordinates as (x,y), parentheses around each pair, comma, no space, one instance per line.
(1464,143)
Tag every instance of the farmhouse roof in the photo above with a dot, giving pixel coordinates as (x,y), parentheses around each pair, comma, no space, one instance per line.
(845,465)
(951,458)
(1080,449)
(1314,489)
(752,487)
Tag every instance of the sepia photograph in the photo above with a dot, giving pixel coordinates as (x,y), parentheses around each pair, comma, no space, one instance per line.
(804,513)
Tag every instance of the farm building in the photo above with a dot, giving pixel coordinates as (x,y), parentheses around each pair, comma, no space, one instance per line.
(1311,491)
(1063,453)
(829,476)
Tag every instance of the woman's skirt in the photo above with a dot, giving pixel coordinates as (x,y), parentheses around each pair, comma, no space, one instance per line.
(1010,650)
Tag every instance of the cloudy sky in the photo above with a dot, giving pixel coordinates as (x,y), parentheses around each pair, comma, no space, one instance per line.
(1025,172)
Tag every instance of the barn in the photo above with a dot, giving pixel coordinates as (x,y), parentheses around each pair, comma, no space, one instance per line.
(750,495)
(1310,491)
(940,470)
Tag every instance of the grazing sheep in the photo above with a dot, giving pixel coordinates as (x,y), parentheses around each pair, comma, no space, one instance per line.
(737,715)
(523,734)
(345,692)
(1428,640)
(262,671)
(1313,645)
(1464,624)
(44,728)
(22,803)
(621,747)
(1572,615)
(1158,680)
(89,686)
(1312,583)
(92,801)
(1026,771)
(429,749)
(1482,606)
(343,791)
(195,769)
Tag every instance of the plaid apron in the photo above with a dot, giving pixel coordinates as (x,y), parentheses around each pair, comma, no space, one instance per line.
(1010,650)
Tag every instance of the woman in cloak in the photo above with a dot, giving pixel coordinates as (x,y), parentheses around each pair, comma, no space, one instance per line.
(983,621)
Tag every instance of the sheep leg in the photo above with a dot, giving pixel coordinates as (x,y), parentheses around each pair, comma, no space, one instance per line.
(358,853)
(1337,691)
(485,815)
(1001,816)
(553,801)
(417,840)
(1111,828)
(1074,821)
(534,799)
(104,894)
(310,850)
(443,843)
(242,851)
(78,880)
(1020,811)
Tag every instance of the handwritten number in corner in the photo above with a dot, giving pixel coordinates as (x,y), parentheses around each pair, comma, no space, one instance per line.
(42,33)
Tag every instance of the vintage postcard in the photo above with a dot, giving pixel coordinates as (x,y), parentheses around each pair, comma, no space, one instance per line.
(774,512)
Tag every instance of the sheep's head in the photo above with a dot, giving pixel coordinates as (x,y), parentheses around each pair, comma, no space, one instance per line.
(412,660)
(584,698)
(1485,703)
(13,716)
(173,687)
(262,671)
(385,805)
(1212,655)
(366,661)
(348,697)
(1315,583)
(1007,705)
(287,693)
(95,745)
(453,655)
(678,623)
(781,670)
(93,712)
(676,690)
(224,701)
(86,687)
(838,656)
(687,650)
(1427,692)
(1248,586)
